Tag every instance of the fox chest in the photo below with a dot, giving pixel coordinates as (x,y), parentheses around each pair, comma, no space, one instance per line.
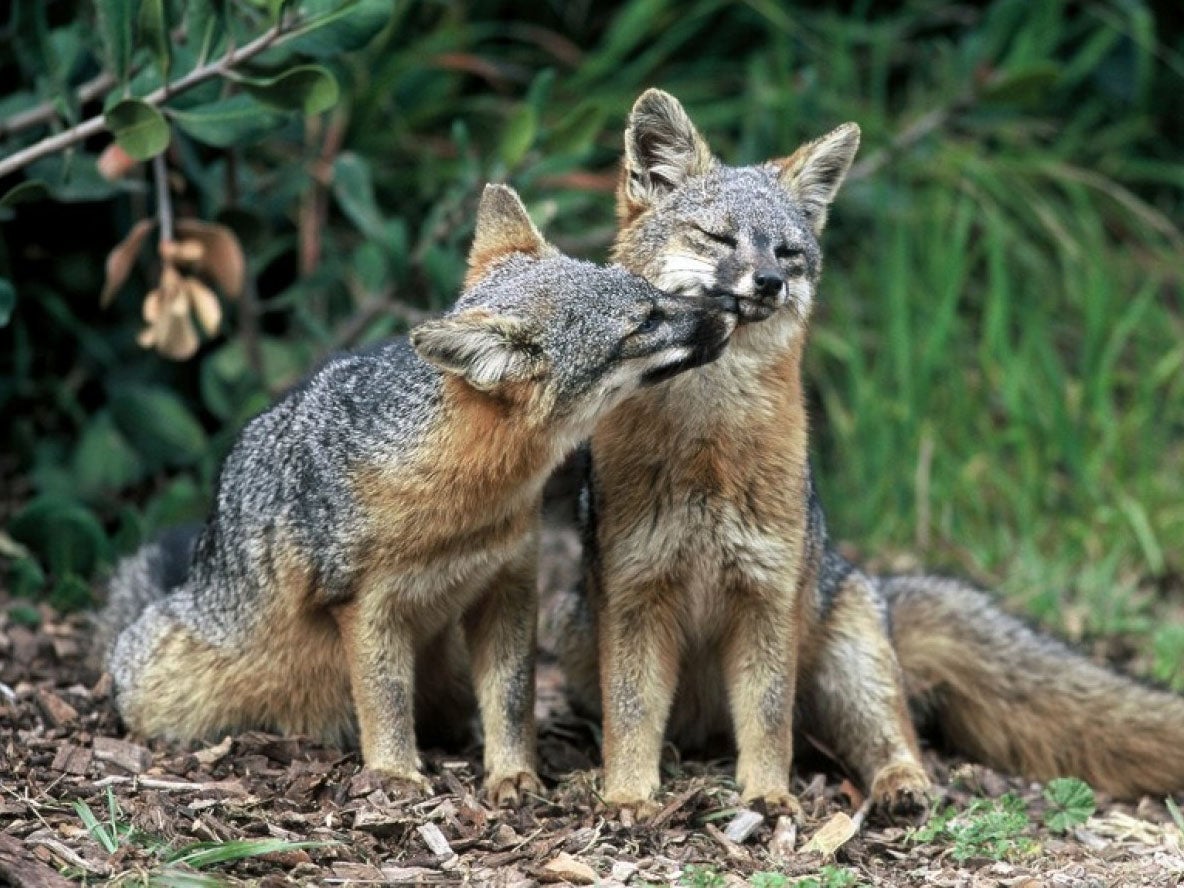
(700,555)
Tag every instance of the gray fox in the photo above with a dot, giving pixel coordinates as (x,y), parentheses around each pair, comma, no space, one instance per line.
(712,601)
(373,541)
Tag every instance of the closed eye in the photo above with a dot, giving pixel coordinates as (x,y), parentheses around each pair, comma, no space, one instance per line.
(725,239)
(787,252)
(649,325)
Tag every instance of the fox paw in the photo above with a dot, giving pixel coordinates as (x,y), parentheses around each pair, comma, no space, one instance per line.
(509,789)
(902,789)
(774,802)
(633,810)
(404,781)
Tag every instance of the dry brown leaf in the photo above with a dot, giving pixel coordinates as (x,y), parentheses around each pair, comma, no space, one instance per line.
(121,259)
(151,307)
(566,868)
(187,251)
(832,835)
(223,262)
(206,306)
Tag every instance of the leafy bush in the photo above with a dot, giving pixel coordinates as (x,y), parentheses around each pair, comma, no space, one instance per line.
(996,365)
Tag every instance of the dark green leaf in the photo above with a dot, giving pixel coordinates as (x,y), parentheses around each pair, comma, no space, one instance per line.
(180,502)
(7,300)
(63,533)
(518,136)
(70,593)
(309,89)
(28,191)
(201,854)
(76,178)
(331,28)
(1024,85)
(25,577)
(577,130)
(117,28)
(25,614)
(140,129)
(353,186)
(1070,803)
(205,23)
(228,383)
(104,462)
(154,32)
(159,426)
(234,121)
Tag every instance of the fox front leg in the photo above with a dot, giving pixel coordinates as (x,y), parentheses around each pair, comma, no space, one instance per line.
(381,652)
(639,656)
(760,668)
(501,628)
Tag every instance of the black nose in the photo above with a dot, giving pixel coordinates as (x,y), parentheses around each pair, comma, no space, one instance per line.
(768,283)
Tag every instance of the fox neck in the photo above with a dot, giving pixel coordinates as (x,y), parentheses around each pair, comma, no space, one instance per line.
(496,447)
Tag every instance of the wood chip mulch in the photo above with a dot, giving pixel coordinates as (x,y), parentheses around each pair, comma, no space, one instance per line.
(61,744)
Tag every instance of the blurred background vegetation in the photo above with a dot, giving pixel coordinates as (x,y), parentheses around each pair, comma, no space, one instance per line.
(997,365)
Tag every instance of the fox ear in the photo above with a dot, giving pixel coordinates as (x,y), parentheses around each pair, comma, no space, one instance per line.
(503,227)
(486,350)
(662,150)
(815,171)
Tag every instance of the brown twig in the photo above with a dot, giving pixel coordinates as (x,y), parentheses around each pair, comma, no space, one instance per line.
(47,111)
(164,201)
(96,125)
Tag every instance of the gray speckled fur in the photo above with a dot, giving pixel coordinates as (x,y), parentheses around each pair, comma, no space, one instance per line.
(285,481)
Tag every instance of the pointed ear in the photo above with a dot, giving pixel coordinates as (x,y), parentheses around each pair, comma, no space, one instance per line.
(503,227)
(815,171)
(662,150)
(487,350)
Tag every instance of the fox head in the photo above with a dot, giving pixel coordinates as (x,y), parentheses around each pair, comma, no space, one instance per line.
(691,225)
(563,339)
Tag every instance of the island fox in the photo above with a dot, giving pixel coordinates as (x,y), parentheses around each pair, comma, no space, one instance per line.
(710,584)
(374,534)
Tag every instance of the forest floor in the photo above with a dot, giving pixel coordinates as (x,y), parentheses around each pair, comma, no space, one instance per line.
(80,801)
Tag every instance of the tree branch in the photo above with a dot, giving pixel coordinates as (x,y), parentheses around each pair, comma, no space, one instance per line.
(164,201)
(47,111)
(96,125)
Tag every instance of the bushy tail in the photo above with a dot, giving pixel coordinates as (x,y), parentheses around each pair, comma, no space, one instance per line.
(141,579)
(1024,703)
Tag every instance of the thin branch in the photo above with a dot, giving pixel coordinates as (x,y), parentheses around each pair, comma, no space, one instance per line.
(96,125)
(164,202)
(47,111)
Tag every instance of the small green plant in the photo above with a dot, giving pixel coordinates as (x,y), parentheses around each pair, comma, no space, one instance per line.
(768,880)
(696,876)
(988,828)
(830,876)
(1174,810)
(116,831)
(1070,803)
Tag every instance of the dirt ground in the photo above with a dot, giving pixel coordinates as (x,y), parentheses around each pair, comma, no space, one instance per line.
(61,743)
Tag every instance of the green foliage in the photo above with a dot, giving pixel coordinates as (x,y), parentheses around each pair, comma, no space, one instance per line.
(1070,803)
(173,866)
(828,876)
(996,365)
(1177,816)
(768,880)
(990,828)
(699,876)
(139,128)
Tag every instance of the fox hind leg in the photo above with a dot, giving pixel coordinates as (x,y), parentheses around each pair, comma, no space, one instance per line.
(852,697)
